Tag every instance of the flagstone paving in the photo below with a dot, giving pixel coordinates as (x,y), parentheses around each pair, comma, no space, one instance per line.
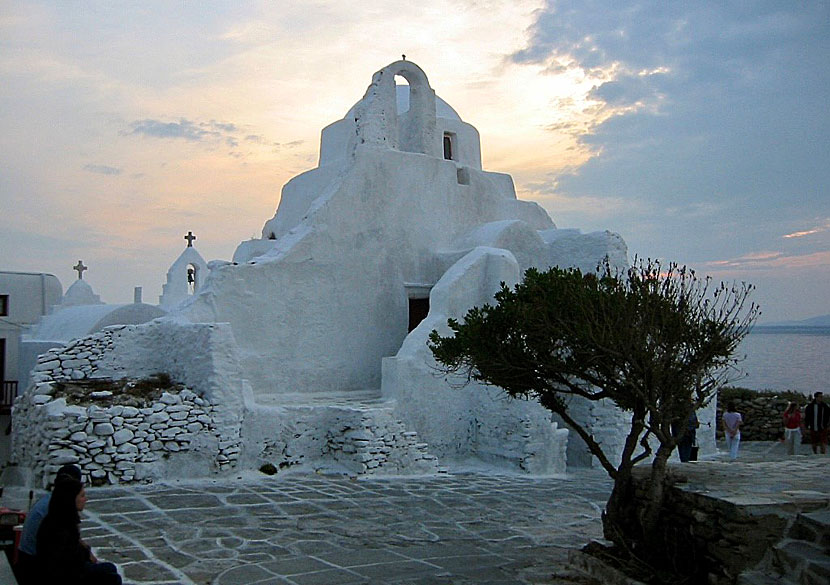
(305,529)
(480,527)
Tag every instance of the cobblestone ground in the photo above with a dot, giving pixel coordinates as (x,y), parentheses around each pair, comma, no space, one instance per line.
(308,529)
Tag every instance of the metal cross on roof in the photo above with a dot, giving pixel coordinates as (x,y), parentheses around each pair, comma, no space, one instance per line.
(80,268)
(190,237)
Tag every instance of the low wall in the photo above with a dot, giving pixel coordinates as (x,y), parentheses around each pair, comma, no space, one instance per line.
(370,441)
(721,518)
(118,444)
(762,416)
(192,429)
(713,539)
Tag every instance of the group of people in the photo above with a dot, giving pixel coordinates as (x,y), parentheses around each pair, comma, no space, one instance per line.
(816,421)
(51,549)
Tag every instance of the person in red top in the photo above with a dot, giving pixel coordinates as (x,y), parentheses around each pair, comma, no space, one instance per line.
(792,428)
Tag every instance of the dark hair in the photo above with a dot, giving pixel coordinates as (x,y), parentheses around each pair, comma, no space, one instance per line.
(791,406)
(62,506)
(730,406)
(69,470)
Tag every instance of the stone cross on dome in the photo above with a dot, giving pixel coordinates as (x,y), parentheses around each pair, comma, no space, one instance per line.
(80,268)
(190,237)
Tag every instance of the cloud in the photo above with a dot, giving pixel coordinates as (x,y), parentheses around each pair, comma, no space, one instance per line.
(184,129)
(719,125)
(210,132)
(816,230)
(775,260)
(103,169)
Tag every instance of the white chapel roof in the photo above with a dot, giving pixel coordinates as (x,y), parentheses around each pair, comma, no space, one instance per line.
(70,323)
(80,293)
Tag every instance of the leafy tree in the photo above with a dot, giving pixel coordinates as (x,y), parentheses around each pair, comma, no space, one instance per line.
(657,341)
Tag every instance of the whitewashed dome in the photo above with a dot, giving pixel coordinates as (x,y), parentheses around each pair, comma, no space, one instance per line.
(80,293)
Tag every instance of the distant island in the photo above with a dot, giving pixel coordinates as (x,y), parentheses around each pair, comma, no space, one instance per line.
(820,321)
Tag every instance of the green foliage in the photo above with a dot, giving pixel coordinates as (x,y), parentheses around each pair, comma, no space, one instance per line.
(651,339)
(655,340)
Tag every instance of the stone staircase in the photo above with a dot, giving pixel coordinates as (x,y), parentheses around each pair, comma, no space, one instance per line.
(353,432)
(802,557)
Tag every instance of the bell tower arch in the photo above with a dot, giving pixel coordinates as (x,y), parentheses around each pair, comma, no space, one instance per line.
(378,121)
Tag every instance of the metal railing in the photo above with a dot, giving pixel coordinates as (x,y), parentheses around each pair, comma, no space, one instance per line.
(8,396)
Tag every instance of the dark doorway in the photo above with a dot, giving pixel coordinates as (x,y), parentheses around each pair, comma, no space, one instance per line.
(418,310)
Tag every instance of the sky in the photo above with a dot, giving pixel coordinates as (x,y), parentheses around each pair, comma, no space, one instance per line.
(698,131)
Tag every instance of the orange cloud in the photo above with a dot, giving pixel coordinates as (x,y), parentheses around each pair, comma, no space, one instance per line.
(772,261)
(815,230)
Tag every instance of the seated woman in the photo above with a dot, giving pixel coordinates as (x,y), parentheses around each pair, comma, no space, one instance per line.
(62,556)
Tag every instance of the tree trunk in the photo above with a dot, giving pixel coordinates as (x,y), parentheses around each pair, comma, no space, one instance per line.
(653,505)
(619,519)
(620,516)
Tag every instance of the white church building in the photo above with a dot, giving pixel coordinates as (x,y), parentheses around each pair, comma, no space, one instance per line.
(309,347)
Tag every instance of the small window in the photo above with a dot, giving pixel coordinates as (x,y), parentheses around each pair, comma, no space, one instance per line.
(448,146)
(4,305)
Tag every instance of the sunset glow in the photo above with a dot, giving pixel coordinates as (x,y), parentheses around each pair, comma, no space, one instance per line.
(127,126)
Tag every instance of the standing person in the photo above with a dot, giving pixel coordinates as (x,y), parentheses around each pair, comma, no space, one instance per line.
(687,442)
(26,569)
(792,428)
(62,555)
(732,421)
(817,421)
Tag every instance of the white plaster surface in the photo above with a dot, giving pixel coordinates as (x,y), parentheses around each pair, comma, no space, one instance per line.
(80,293)
(319,307)
(177,288)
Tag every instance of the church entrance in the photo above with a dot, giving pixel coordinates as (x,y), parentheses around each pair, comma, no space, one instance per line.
(418,310)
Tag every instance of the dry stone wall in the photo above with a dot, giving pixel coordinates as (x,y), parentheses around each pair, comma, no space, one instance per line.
(369,441)
(117,443)
(762,416)
(713,539)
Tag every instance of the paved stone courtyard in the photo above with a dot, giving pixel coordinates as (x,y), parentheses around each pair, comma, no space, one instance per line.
(476,527)
(305,529)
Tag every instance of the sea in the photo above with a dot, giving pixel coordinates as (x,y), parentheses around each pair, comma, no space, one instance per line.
(786,358)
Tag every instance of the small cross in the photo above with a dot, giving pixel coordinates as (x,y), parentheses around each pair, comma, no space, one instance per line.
(190,237)
(80,268)
(404,57)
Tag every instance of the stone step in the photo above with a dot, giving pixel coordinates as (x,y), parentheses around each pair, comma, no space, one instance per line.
(762,578)
(598,570)
(813,527)
(802,562)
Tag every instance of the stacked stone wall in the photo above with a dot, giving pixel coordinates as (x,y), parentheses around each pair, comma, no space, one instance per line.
(762,416)
(118,443)
(361,442)
(713,540)
(521,442)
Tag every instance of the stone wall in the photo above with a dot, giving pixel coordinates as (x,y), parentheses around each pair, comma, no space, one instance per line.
(719,521)
(116,444)
(367,441)
(762,416)
(183,433)
(713,540)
